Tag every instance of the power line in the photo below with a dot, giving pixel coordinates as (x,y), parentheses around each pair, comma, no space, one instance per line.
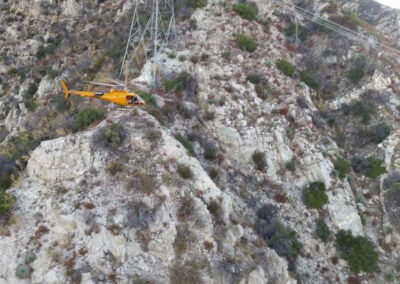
(378,47)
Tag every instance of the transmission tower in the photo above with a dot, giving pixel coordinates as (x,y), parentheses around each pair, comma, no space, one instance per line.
(150,37)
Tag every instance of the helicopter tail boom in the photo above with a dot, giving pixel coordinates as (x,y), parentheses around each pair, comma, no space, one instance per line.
(66,91)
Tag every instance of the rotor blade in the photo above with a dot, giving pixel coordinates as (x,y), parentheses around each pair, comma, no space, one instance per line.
(117,82)
(100,84)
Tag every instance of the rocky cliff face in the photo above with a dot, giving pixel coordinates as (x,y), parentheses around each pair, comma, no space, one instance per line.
(208,186)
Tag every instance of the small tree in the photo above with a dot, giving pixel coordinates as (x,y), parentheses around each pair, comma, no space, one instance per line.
(314,195)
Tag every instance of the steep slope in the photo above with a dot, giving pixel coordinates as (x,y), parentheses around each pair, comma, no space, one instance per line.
(223,183)
(84,222)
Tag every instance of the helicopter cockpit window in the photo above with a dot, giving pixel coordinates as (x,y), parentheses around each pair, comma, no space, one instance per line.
(132,100)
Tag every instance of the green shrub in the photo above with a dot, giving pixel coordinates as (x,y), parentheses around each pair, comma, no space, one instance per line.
(149,99)
(184,171)
(310,79)
(110,136)
(380,132)
(322,230)
(254,78)
(30,104)
(375,168)
(279,238)
(314,195)
(210,151)
(86,117)
(286,67)
(358,251)
(363,109)
(23,271)
(173,85)
(342,166)
(245,11)
(185,143)
(355,74)
(262,90)
(198,3)
(246,43)
(227,53)
(6,202)
(21,144)
(259,160)
(182,58)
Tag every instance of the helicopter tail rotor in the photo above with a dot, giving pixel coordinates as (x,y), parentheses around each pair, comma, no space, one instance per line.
(66,91)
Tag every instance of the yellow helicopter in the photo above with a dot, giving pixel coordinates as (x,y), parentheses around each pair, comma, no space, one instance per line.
(116,96)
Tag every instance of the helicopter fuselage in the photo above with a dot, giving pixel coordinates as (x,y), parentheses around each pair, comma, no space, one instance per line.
(119,97)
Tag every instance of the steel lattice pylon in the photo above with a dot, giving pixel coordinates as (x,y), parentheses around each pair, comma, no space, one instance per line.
(154,36)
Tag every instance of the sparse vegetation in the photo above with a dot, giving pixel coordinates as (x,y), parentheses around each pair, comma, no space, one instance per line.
(286,67)
(310,79)
(322,230)
(186,209)
(301,32)
(86,117)
(363,109)
(185,143)
(110,136)
(184,171)
(227,53)
(182,58)
(198,3)
(184,238)
(314,195)
(355,74)
(114,168)
(246,43)
(23,271)
(281,239)
(254,78)
(245,11)
(143,182)
(370,167)
(210,151)
(380,132)
(342,167)
(259,160)
(375,168)
(6,202)
(262,90)
(188,272)
(358,251)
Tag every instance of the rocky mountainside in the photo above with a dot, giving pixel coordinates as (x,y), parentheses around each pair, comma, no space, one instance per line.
(275,160)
